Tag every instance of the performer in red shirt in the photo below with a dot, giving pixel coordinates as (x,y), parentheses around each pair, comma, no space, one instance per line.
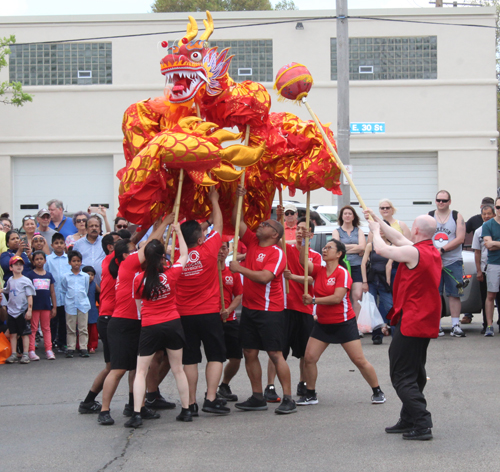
(161,324)
(416,314)
(262,318)
(233,290)
(124,328)
(198,301)
(336,323)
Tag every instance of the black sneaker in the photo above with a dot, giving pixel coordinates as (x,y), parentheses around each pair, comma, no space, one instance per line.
(252,404)
(270,394)
(377,341)
(128,410)
(193,408)
(159,403)
(104,418)
(308,400)
(185,415)
(149,414)
(62,349)
(84,353)
(216,407)
(89,407)
(225,393)
(301,389)
(400,427)
(418,434)
(69,354)
(378,397)
(134,422)
(287,406)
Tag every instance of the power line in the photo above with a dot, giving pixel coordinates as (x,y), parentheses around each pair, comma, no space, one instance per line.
(250,25)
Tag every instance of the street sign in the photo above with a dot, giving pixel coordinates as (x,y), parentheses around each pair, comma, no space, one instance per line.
(349,171)
(358,128)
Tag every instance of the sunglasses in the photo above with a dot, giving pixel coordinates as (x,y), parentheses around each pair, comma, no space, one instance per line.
(289,213)
(122,226)
(267,225)
(384,208)
(442,200)
(81,220)
(28,217)
(497,207)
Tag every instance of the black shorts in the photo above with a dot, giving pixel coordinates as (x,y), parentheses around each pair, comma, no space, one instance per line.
(206,329)
(298,329)
(232,339)
(123,341)
(19,325)
(336,333)
(168,335)
(356,274)
(102,329)
(262,330)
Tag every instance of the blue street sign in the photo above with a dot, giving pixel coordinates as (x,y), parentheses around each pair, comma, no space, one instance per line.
(367,128)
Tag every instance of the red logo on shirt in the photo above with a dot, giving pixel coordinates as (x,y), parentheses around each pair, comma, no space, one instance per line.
(260,257)
(194,256)
(330,281)
(229,280)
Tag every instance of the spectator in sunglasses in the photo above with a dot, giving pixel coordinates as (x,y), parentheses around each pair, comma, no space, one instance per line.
(291,217)
(39,243)
(387,210)
(29,227)
(120,223)
(80,221)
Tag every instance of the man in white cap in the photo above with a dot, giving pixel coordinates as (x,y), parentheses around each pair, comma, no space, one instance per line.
(291,217)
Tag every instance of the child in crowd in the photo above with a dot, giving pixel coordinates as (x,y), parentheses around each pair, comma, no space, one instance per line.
(38,243)
(94,291)
(44,304)
(20,290)
(75,287)
(57,264)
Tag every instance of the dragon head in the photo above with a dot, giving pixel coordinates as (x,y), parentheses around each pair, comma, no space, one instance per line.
(192,64)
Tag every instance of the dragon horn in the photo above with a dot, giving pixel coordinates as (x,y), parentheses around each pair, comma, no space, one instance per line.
(191,31)
(209,27)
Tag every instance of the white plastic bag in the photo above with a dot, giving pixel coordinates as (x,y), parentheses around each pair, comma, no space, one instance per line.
(369,317)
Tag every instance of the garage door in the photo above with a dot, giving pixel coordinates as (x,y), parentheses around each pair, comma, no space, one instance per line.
(409,180)
(76,180)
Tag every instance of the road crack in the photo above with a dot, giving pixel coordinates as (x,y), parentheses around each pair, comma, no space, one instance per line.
(120,456)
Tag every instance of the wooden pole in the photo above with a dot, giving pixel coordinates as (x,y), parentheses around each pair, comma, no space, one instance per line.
(287,285)
(240,204)
(176,211)
(221,286)
(306,252)
(337,158)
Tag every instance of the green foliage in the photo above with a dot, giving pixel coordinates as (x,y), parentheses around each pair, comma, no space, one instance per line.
(11,93)
(285,5)
(162,6)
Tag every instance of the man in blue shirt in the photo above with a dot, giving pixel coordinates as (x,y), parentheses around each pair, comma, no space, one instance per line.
(91,246)
(57,264)
(491,238)
(58,221)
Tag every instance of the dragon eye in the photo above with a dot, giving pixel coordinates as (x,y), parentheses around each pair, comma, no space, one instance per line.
(196,56)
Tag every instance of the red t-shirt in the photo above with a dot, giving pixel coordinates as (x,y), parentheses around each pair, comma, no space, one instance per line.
(256,296)
(163,308)
(293,300)
(125,306)
(325,286)
(232,288)
(107,296)
(198,286)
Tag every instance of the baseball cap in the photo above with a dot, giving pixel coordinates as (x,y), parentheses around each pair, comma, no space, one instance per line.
(15,259)
(42,212)
(290,207)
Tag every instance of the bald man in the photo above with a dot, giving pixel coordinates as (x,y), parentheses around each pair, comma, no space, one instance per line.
(416,315)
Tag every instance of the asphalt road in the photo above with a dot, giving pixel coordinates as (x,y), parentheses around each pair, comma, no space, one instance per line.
(41,430)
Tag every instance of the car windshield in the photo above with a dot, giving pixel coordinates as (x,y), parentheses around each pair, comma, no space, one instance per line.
(331,217)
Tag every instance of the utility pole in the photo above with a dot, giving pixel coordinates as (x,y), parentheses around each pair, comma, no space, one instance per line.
(343,125)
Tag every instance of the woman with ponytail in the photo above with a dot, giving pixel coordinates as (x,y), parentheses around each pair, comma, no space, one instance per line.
(336,320)
(161,323)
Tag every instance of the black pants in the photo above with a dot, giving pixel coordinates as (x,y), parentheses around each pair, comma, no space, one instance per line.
(407,357)
(58,327)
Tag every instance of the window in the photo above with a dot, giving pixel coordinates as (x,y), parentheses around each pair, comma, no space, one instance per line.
(389,58)
(61,64)
(253,59)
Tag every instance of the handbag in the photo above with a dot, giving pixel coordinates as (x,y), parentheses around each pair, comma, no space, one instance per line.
(5,349)
(369,318)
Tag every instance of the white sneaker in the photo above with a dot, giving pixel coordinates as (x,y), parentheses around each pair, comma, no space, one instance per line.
(441,332)
(50,355)
(457,332)
(33,357)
